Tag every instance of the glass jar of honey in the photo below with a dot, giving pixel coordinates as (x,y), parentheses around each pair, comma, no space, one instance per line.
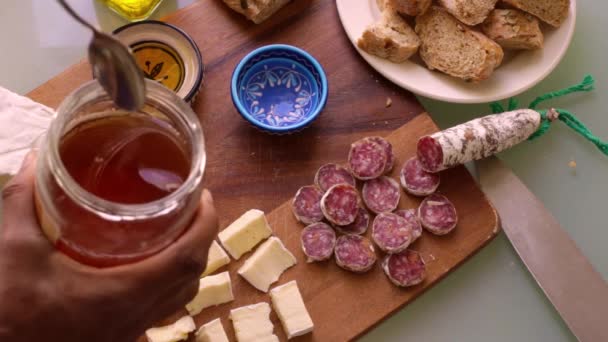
(133,10)
(114,187)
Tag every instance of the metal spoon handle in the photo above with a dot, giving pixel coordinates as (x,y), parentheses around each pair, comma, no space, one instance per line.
(75,15)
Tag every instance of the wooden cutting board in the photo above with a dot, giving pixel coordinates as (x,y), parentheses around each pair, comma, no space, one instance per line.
(249,169)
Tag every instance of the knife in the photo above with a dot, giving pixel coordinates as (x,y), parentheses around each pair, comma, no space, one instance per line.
(576,290)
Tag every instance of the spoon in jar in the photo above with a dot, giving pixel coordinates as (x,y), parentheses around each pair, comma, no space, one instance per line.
(114,67)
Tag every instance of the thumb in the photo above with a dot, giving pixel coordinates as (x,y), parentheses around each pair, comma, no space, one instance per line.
(20,222)
(18,194)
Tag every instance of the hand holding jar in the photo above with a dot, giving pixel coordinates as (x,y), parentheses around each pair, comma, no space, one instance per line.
(46,295)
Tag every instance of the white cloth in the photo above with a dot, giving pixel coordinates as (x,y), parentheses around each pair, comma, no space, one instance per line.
(22,123)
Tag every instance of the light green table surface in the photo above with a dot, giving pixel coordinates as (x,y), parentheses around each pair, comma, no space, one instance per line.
(492,297)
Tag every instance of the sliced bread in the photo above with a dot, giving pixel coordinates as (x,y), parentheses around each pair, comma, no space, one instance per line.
(553,12)
(256,10)
(513,29)
(391,38)
(470,12)
(454,48)
(408,7)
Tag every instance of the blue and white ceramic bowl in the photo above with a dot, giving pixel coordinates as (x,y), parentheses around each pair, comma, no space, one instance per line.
(279,88)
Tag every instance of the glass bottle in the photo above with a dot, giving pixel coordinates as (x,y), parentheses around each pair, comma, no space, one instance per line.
(100,232)
(133,10)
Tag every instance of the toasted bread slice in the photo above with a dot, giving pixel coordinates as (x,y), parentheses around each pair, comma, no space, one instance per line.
(553,12)
(470,12)
(391,38)
(256,10)
(454,48)
(408,7)
(513,29)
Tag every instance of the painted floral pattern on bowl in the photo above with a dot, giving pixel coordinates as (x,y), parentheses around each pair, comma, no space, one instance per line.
(279,89)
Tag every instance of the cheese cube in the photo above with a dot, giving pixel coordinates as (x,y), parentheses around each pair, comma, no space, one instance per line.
(289,306)
(212,332)
(212,290)
(216,259)
(245,233)
(177,331)
(267,264)
(252,323)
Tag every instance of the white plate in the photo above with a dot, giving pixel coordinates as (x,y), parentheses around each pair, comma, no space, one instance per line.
(517,73)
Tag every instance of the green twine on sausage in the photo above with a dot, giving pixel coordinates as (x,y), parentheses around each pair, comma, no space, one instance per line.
(568,118)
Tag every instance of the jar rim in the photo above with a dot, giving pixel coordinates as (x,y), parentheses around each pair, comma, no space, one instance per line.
(119,211)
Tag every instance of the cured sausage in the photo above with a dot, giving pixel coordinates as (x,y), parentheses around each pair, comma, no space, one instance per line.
(437,214)
(416,181)
(405,269)
(318,241)
(367,159)
(340,204)
(358,227)
(388,149)
(410,216)
(476,139)
(391,233)
(306,205)
(329,175)
(381,194)
(355,253)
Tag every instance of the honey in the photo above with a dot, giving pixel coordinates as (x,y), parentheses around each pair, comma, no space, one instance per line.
(115,187)
(135,159)
(133,10)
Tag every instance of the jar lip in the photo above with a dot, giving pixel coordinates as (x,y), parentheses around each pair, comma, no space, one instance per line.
(118,211)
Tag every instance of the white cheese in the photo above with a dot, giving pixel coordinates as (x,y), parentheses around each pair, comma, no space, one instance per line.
(267,264)
(212,332)
(216,259)
(212,290)
(177,331)
(289,306)
(252,323)
(245,233)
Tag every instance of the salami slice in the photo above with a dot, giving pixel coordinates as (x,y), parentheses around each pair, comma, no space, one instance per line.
(332,174)
(476,139)
(391,233)
(388,149)
(340,204)
(437,214)
(359,226)
(355,253)
(318,241)
(367,159)
(410,216)
(416,181)
(405,269)
(381,194)
(306,205)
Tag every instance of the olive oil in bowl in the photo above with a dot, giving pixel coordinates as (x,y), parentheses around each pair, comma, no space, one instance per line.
(133,10)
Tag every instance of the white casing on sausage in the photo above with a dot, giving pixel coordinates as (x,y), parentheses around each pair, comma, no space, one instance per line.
(476,139)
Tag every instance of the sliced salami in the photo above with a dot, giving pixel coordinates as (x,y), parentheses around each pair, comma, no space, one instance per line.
(405,269)
(367,159)
(306,205)
(476,139)
(388,149)
(355,253)
(410,216)
(340,204)
(381,194)
(358,227)
(437,214)
(416,181)
(329,175)
(391,233)
(318,241)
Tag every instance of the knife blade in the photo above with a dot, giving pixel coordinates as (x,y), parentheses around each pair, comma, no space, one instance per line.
(576,290)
